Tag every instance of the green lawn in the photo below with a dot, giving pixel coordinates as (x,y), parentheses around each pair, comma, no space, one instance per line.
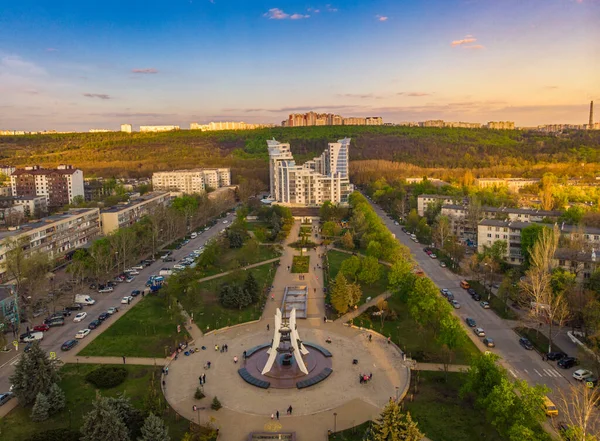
(335,259)
(301,264)
(17,426)
(417,341)
(147,330)
(442,415)
(202,299)
(496,304)
(234,258)
(355,433)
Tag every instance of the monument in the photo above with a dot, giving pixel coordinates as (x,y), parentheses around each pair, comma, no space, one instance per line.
(286,362)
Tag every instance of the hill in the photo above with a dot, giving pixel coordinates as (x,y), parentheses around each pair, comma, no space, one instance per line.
(139,154)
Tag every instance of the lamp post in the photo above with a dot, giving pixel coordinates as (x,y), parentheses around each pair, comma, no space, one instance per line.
(397,393)
(334,422)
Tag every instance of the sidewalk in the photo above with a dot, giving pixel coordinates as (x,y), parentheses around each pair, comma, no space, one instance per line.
(439,367)
(254,265)
(362,308)
(116,360)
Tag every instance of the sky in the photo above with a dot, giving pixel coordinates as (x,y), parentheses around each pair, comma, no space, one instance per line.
(77,65)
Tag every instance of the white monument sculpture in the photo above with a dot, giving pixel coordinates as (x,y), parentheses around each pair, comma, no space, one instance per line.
(286,333)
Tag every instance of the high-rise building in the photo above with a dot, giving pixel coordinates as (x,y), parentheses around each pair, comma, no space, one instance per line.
(328,119)
(127,128)
(501,125)
(324,178)
(591,123)
(192,181)
(60,185)
(125,215)
(158,128)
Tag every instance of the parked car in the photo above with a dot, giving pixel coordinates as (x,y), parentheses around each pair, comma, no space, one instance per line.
(79,317)
(476,297)
(581,374)
(103,316)
(138,267)
(126,299)
(32,336)
(472,323)
(129,279)
(74,307)
(132,272)
(591,381)
(485,305)
(555,356)
(567,362)
(489,342)
(5,397)
(455,304)
(450,296)
(82,333)
(168,259)
(178,266)
(28,347)
(112,310)
(444,291)
(55,322)
(433,256)
(94,324)
(225,221)
(442,264)
(471,291)
(526,343)
(41,328)
(479,332)
(68,345)
(135,293)
(106,289)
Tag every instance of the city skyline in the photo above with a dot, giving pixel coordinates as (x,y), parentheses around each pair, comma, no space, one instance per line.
(75,67)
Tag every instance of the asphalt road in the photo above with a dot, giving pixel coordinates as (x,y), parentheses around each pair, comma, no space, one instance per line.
(521,363)
(55,337)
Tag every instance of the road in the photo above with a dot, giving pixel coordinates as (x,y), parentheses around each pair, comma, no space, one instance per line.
(521,363)
(55,337)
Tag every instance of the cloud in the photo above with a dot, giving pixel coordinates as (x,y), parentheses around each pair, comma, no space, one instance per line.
(474,46)
(101,96)
(146,70)
(381,17)
(466,40)
(279,14)
(414,94)
(360,96)
(331,8)
(313,11)
(17,65)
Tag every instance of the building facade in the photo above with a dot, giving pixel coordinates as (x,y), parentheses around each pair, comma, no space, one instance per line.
(125,215)
(57,236)
(155,129)
(328,119)
(191,181)
(227,125)
(127,128)
(513,184)
(501,125)
(324,178)
(59,186)
(424,200)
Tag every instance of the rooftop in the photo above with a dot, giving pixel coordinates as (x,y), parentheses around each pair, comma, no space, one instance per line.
(530,211)
(45,171)
(517,225)
(581,256)
(133,202)
(45,222)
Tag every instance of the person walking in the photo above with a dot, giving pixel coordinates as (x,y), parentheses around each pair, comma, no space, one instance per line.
(277,414)
(167,370)
(289,410)
(200,379)
(123,359)
(235,359)
(268,327)
(272,416)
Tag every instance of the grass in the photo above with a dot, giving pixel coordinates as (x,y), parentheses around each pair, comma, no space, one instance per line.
(300,264)
(496,304)
(418,342)
(234,258)
(355,433)
(335,259)
(17,425)
(202,299)
(538,339)
(442,415)
(147,330)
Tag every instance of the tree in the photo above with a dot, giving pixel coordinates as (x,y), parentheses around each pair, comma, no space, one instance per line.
(374,249)
(423,232)
(234,296)
(350,267)
(340,294)
(577,405)
(347,241)
(401,278)
(529,236)
(354,293)
(393,425)
(41,408)
(442,231)
(236,240)
(497,251)
(103,423)
(370,271)
(473,215)
(432,211)
(412,220)
(216,404)
(331,228)
(154,429)
(251,287)
(34,373)
(451,337)
(56,398)
(483,375)
(382,308)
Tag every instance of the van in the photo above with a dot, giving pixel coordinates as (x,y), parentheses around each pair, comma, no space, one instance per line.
(165,272)
(464,284)
(549,407)
(194,235)
(84,299)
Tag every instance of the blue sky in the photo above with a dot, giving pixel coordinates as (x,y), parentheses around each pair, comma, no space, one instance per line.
(72,65)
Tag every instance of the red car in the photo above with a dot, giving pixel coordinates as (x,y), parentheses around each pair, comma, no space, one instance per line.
(42,328)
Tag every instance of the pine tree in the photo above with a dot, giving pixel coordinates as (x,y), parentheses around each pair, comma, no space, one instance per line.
(34,373)
(41,408)
(131,416)
(103,423)
(154,430)
(56,398)
(393,425)
(216,404)
(251,286)
(340,293)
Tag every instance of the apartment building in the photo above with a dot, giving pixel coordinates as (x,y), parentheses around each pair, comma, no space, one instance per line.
(374,121)
(424,200)
(125,215)
(513,184)
(581,263)
(58,235)
(59,186)
(354,121)
(100,130)
(126,128)
(191,181)
(501,125)
(156,129)
(7,169)
(491,230)
(227,125)
(324,178)
(328,119)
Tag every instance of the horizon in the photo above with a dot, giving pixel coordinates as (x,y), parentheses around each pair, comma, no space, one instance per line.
(75,67)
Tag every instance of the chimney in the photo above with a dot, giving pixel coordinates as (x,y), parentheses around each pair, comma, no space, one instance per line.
(591,125)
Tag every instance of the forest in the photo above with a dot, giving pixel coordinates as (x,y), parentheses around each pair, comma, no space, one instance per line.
(395,150)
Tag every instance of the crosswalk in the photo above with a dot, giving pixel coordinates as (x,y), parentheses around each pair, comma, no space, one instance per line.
(550,372)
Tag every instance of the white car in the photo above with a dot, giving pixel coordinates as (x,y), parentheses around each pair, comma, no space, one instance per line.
(79,317)
(479,332)
(225,221)
(138,267)
(178,267)
(33,336)
(130,279)
(105,289)
(433,256)
(455,304)
(83,333)
(442,264)
(207,228)
(581,374)
(132,272)
(396,223)
(127,299)
(112,310)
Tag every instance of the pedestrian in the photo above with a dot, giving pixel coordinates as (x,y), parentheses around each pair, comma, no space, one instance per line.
(203,378)
(167,370)
(226,347)
(164,384)
(370,337)
(235,359)
(267,326)
(200,379)
(290,409)
(272,416)
(277,415)
(123,359)
(370,375)
(163,371)
(272,297)
(216,348)
(389,340)
(128,300)
(27,329)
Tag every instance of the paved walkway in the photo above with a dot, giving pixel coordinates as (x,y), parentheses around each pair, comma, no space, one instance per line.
(254,265)
(362,308)
(435,367)
(116,360)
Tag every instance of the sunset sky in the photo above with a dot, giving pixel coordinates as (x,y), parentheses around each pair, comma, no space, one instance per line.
(76,65)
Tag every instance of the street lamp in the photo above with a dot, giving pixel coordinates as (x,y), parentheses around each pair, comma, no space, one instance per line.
(490,285)
(334,422)
(397,393)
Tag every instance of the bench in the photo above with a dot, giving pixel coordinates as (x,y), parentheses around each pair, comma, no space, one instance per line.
(248,378)
(321,349)
(314,380)
(251,351)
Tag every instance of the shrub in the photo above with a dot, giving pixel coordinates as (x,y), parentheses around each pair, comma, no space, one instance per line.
(106,377)
(199,394)
(56,435)
(216,404)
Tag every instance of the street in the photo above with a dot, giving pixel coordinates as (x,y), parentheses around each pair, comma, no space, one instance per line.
(55,337)
(521,363)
